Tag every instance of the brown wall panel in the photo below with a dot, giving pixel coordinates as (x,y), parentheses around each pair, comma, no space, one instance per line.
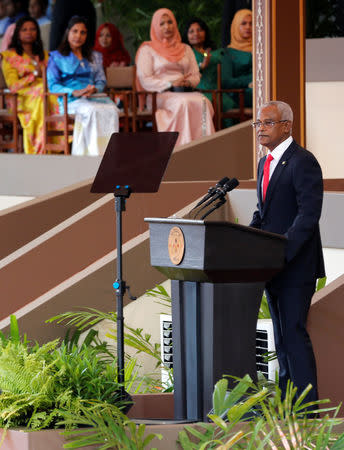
(84,242)
(325,326)
(23,223)
(288,60)
(231,154)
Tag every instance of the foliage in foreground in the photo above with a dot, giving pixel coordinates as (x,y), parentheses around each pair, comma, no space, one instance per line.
(40,383)
(270,421)
(134,338)
(248,417)
(107,427)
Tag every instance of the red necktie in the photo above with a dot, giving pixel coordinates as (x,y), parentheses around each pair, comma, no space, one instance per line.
(266,174)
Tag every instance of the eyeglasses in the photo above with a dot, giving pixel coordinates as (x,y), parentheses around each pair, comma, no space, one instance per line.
(267,123)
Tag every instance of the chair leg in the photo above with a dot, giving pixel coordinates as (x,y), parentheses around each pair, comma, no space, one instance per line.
(65,143)
(134,112)
(15,135)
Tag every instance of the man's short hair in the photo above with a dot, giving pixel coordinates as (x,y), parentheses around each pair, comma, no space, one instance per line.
(284,109)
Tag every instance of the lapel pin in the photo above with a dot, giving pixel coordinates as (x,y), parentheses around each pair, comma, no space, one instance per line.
(284,162)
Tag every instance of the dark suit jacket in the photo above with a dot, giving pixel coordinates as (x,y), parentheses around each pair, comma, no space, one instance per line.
(292,207)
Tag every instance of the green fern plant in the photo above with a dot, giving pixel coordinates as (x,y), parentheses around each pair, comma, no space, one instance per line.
(13,334)
(107,427)
(133,337)
(39,384)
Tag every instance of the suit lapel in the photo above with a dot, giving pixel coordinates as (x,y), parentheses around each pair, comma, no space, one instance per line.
(282,164)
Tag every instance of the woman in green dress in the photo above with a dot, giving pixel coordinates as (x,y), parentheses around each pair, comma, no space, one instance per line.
(236,67)
(197,35)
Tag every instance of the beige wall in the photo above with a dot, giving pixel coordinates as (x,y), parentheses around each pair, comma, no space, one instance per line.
(324,125)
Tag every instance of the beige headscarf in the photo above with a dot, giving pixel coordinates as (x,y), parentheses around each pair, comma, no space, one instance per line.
(237,41)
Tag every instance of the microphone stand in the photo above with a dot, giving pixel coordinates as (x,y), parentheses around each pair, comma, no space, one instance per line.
(209,202)
(221,202)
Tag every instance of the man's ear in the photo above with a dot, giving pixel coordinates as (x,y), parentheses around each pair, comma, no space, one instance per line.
(288,126)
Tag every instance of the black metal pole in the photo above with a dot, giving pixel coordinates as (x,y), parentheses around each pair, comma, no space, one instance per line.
(119,285)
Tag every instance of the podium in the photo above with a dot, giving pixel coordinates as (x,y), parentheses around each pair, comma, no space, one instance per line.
(218,272)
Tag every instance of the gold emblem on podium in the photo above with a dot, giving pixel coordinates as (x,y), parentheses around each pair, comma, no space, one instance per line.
(176,245)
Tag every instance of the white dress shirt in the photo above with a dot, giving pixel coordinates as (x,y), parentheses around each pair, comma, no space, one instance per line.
(277,154)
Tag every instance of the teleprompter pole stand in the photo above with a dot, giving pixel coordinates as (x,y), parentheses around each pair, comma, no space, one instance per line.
(132,163)
(121,194)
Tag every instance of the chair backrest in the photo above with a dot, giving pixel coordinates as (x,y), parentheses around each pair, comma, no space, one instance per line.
(45,34)
(121,77)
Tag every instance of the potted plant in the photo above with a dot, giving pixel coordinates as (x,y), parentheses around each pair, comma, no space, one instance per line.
(44,386)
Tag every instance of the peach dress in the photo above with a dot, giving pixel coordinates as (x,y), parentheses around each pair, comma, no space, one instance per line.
(160,63)
(189,113)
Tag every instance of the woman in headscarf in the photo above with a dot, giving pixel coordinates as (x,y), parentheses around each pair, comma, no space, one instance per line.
(237,58)
(167,66)
(109,42)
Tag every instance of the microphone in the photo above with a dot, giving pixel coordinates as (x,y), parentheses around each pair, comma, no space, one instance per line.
(221,191)
(212,191)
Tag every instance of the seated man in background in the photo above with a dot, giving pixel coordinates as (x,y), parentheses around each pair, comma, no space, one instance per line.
(37,10)
(3,17)
(15,9)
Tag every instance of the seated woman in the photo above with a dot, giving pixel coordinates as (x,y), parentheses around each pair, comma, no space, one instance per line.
(22,66)
(197,35)
(109,42)
(237,59)
(166,65)
(77,70)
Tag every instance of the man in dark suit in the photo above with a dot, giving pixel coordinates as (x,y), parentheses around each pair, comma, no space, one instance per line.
(290,194)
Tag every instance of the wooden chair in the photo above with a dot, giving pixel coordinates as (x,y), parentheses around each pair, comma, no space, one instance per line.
(56,125)
(121,81)
(9,124)
(240,113)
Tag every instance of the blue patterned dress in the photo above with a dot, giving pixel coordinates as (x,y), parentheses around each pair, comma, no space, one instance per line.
(96,118)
